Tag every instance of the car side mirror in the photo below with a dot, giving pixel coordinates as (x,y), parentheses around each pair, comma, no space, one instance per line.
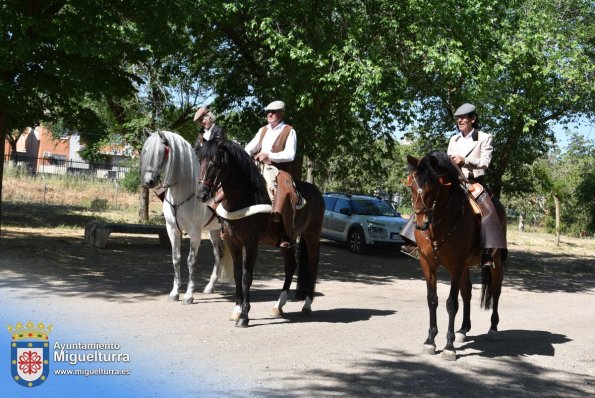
(346,211)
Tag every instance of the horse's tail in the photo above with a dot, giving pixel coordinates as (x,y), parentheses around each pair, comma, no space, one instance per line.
(486,280)
(486,288)
(225,264)
(307,268)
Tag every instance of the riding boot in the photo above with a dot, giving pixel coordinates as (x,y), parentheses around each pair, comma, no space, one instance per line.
(284,206)
(487,258)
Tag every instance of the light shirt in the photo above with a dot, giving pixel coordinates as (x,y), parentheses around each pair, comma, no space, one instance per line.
(207,134)
(271,135)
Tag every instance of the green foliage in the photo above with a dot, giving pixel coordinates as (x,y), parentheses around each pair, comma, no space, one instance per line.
(567,175)
(131,181)
(351,72)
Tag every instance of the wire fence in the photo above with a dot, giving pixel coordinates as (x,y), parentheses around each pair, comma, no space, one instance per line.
(57,165)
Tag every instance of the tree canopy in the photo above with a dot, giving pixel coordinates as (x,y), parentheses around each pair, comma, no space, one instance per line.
(355,75)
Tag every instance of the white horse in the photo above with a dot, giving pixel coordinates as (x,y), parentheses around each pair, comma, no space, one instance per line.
(168,154)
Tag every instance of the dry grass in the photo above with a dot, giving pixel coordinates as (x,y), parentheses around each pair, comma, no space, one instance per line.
(546,242)
(27,198)
(71,203)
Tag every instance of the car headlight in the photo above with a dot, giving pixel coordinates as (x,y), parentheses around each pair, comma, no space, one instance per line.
(375,226)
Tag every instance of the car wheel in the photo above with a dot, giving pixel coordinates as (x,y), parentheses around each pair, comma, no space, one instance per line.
(357,241)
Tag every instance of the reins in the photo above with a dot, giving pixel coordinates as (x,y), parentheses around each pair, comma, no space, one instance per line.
(429,212)
(174,206)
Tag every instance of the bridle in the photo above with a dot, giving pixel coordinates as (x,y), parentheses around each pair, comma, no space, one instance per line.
(164,160)
(427,211)
(214,183)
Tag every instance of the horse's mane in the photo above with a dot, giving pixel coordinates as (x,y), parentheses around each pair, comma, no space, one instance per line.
(181,167)
(240,164)
(437,164)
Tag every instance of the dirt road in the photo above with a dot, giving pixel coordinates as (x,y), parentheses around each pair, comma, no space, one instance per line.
(364,337)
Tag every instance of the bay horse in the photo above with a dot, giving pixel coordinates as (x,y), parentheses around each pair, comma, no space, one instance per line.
(447,233)
(246,211)
(169,154)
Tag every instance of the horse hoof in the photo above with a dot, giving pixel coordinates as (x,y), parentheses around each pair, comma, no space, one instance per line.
(188,300)
(460,337)
(242,323)
(307,311)
(429,349)
(449,355)
(208,290)
(277,312)
(493,334)
(234,316)
(173,298)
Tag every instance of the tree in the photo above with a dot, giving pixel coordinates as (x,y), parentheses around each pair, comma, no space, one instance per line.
(313,55)
(560,187)
(524,63)
(56,54)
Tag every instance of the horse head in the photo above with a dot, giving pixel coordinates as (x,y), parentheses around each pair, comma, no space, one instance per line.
(212,158)
(154,156)
(428,177)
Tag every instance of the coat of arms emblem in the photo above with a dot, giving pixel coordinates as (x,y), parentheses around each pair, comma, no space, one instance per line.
(30,353)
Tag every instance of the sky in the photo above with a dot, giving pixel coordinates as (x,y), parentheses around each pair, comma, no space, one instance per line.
(585,128)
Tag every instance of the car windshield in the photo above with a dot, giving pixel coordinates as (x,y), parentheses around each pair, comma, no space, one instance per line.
(366,207)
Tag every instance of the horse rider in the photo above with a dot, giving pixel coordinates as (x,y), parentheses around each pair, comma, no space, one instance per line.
(471,150)
(274,146)
(209,130)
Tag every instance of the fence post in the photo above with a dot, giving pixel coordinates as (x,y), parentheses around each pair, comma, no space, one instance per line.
(45,188)
(117,191)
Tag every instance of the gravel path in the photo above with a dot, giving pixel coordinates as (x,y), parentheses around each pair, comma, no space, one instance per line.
(364,337)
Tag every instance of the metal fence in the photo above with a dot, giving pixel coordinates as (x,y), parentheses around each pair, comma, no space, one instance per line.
(57,165)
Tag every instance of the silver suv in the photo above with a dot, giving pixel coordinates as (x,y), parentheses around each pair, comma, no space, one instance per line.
(361,221)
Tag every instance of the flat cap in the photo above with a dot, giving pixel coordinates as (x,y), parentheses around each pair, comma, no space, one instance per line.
(275,106)
(203,110)
(465,109)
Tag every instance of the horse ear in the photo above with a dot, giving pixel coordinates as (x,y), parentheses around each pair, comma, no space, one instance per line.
(413,162)
(433,161)
(163,137)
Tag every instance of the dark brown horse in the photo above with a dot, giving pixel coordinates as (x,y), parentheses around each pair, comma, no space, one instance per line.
(447,233)
(246,215)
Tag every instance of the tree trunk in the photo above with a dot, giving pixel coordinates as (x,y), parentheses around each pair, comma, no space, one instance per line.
(296,167)
(143,212)
(557,203)
(309,170)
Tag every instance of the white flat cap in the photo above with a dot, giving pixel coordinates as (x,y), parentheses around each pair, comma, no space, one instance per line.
(275,106)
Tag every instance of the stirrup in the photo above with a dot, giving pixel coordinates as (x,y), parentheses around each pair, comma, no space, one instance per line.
(412,252)
(487,259)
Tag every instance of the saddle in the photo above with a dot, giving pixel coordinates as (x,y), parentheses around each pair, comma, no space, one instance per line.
(474,190)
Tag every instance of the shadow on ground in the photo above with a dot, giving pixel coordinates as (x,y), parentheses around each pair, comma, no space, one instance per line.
(137,266)
(397,373)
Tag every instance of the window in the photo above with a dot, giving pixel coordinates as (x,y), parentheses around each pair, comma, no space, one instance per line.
(329,202)
(341,204)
